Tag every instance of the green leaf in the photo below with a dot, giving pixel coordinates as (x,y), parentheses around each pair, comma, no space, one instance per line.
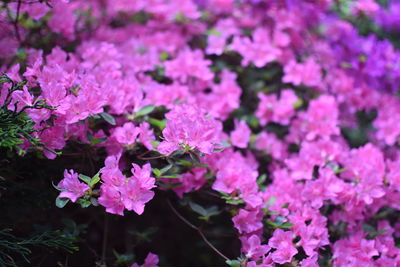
(170,176)
(261,179)
(166,168)
(213,31)
(108,118)
(95,179)
(85,178)
(160,124)
(123,258)
(197,208)
(58,188)
(94,201)
(156,172)
(298,103)
(144,111)
(164,56)
(84,203)
(233,263)
(61,202)
(185,163)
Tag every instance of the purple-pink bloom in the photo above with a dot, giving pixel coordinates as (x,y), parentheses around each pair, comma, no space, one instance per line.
(136,192)
(188,127)
(283,242)
(240,137)
(71,187)
(150,261)
(248,221)
(111,199)
(252,247)
(127,133)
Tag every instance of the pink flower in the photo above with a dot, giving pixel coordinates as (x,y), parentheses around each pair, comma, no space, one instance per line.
(260,50)
(111,199)
(248,221)
(63,19)
(307,73)
(192,180)
(136,193)
(283,242)
(235,174)
(188,127)
(146,135)
(270,144)
(253,248)
(224,97)
(388,129)
(369,7)
(72,188)
(150,261)
(354,251)
(111,174)
(321,119)
(270,109)
(240,137)
(189,64)
(127,133)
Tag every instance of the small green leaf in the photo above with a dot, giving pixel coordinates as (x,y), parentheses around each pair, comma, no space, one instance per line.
(94,201)
(197,208)
(185,163)
(166,168)
(84,203)
(108,118)
(298,103)
(164,56)
(61,202)
(58,188)
(144,111)
(170,176)
(213,31)
(85,178)
(156,172)
(271,201)
(233,263)
(261,179)
(160,124)
(95,179)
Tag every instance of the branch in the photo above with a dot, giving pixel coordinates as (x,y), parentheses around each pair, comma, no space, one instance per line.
(198,230)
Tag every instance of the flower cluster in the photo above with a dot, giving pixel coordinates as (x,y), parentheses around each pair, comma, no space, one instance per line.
(288,110)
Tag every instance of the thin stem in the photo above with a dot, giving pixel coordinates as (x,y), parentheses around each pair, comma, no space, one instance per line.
(148,158)
(104,246)
(198,230)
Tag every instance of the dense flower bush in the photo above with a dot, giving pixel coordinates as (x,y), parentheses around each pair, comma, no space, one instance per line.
(286,112)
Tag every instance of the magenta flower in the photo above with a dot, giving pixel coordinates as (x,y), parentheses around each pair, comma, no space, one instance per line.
(252,247)
(111,199)
(136,192)
(72,188)
(240,137)
(127,133)
(119,193)
(150,261)
(283,242)
(270,109)
(248,221)
(188,127)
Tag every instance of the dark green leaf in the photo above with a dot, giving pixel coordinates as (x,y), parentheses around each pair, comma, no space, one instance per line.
(108,118)
(145,110)
(95,179)
(61,202)
(85,178)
